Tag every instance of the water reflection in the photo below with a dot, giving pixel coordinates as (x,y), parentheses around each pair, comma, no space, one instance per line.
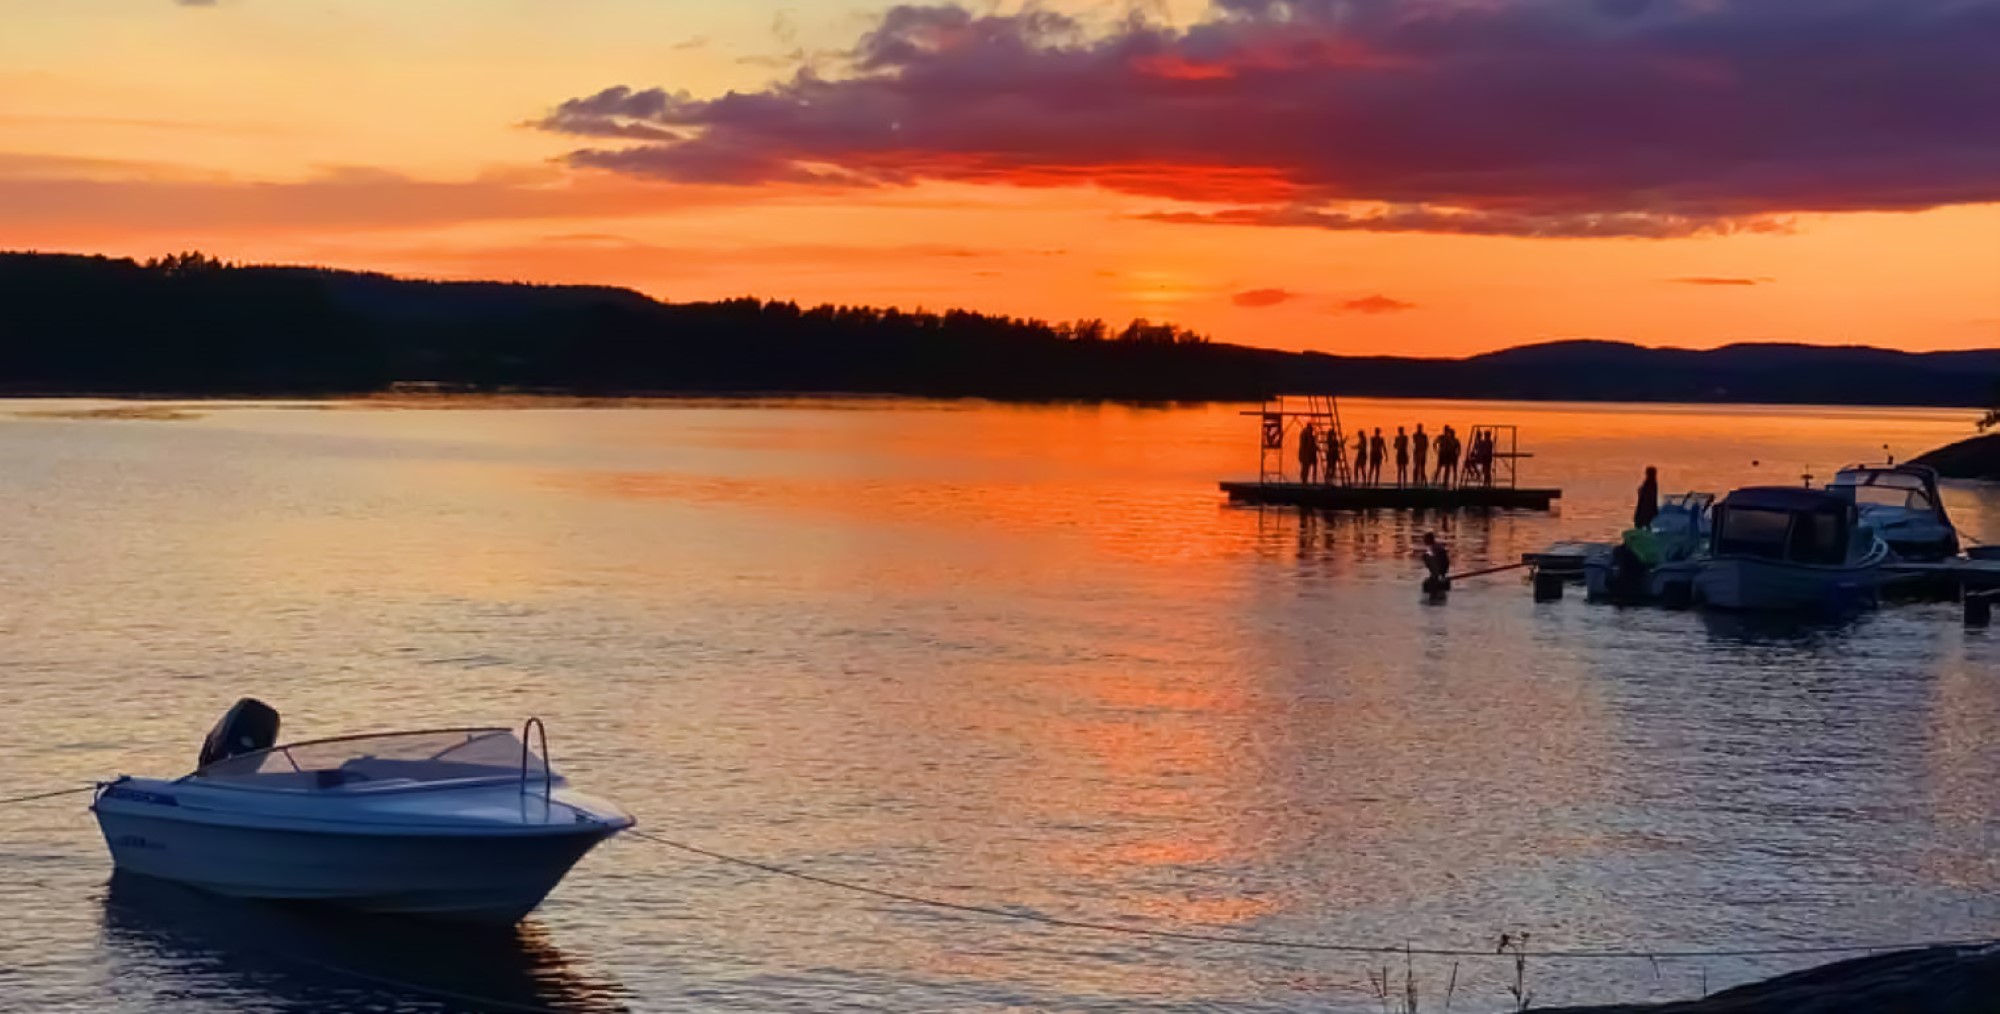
(165,942)
(1006,655)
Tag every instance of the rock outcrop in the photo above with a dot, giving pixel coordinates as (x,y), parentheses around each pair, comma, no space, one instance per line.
(1934,980)
(1972,458)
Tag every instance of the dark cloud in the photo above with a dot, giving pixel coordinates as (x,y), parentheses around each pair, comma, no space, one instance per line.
(1256,298)
(1563,118)
(1424,218)
(1373,304)
(1718,280)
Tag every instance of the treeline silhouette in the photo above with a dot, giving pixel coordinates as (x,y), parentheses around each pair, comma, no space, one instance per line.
(191,325)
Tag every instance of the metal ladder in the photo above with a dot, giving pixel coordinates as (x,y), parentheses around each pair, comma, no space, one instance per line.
(1323,411)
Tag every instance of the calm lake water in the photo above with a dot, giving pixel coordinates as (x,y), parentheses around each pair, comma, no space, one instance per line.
(1013,656)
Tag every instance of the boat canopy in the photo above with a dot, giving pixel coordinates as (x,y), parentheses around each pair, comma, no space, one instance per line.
(1784,523)
(1910,487)
(382,760)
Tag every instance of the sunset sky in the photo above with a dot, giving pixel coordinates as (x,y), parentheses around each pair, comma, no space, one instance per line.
(1393,176)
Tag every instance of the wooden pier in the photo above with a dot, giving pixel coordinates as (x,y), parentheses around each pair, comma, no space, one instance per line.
(1981,575)
(1367,498)
(1972,581)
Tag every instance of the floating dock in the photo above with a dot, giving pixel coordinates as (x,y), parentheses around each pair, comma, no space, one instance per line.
(1367,498)
(1564,557)
(1307,429)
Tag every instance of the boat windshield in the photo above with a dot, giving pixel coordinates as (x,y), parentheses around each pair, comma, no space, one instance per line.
(1874,488)
(1747,531)
(396,758)
(1800,536)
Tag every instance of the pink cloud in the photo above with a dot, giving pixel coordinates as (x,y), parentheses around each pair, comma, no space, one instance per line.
(1636,118)
(79,200)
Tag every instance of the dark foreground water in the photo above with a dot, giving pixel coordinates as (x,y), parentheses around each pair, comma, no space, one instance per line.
(1010,656)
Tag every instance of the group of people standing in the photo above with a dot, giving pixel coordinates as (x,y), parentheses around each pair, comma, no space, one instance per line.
(1410,449)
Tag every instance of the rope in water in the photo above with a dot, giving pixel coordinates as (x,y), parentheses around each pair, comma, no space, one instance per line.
(1207,936)
(53,793)
(1214,936)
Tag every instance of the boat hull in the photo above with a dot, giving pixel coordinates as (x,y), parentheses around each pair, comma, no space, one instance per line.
(1668,582)
(1756,585)
(459,877)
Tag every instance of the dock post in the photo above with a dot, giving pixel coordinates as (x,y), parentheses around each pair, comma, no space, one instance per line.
(1548,586)
(1677,595)
(1978,609)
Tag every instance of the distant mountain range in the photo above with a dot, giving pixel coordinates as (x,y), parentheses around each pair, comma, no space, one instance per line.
(191,326)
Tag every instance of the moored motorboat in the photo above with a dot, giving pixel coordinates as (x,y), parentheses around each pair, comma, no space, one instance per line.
(1654,563)
(466,824)
(1781,548)
(1902,503)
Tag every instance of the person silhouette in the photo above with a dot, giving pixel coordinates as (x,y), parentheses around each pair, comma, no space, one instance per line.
(1481,462)
(1648,506)
(1448,451)
(1437,565)
(1308,453)
(1420,450)
(1361,457)
(1378,448)
(1402,457)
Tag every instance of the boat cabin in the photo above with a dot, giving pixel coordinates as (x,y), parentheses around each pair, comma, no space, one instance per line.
(1901,487)
(1785,523)
(393,760)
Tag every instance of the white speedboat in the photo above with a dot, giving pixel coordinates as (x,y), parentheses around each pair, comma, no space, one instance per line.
(1902,503)
(1655,563)
(466,824)
(1782,548)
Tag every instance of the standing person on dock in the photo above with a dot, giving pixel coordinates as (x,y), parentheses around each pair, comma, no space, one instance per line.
(1360,457)
(1420,446)
(1648,507)
(1447,457)
(1308,453)
(1378,449)
(1482,449)
(1402,457)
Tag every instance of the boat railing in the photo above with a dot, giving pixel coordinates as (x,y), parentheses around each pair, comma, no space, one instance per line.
(542,735)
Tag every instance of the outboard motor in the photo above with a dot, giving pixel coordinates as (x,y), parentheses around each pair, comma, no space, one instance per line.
(248,726)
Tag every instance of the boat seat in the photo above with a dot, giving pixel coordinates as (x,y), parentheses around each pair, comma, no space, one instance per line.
(380,768)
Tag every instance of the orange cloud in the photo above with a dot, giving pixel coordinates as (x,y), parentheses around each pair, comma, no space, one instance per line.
(1263,297)
(1373,305)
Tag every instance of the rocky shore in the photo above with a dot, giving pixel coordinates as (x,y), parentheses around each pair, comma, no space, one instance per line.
(1934,980)
(1972,458)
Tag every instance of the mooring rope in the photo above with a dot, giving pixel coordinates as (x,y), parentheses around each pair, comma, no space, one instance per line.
(1201,935)
(1217,936)
(51,794)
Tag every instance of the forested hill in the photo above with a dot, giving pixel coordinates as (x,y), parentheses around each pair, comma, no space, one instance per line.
(191,326)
